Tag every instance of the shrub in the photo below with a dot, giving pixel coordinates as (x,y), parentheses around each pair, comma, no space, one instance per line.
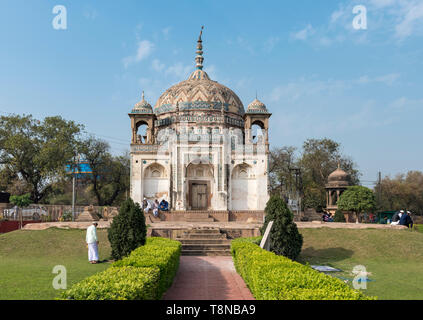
(284,237)
(126,283)
(127,231)
(273,277)
(339,216)
(158,252)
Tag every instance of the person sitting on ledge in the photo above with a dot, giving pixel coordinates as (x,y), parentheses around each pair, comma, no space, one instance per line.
(164,205)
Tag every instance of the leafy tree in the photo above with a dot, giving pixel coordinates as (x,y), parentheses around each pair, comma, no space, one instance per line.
(320,157)
(282,181)
(339,216)
(21,201)
(127,230)
(357,199)
(36,151)
(284,237)
(110,175)
(404,191)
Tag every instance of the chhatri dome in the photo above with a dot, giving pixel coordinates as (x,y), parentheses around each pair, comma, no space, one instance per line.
(142,106)
(199,92)
(257,107)
(339,177)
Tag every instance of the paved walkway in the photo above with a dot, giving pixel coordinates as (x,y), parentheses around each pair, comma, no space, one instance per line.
(207,278)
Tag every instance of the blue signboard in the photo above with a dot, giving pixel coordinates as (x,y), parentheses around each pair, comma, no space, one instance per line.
(80,170)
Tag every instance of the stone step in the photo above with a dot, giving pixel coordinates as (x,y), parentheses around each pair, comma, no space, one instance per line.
(206,247)
(199,219)
(204,236)
(206,253)
(203,231)
(204,241)
(196,215)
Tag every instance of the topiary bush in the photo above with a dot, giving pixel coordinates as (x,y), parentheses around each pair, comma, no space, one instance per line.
(128,230)
(125,283)
(284,237)
(339,216)
(157,252)
(272,277)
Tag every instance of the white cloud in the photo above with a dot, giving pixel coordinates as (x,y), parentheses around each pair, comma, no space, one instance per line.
(270,43)
(144,49)
(157,65)
(387,79)
(304,33)
(179,70)
(411,20)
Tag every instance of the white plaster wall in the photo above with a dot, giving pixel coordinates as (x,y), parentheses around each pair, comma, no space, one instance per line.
(244,194)
(156,188)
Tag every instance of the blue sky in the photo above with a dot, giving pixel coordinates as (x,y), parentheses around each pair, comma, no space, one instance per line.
(318,75)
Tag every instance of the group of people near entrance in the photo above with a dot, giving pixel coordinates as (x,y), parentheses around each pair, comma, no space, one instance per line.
(402,218)
(148,205)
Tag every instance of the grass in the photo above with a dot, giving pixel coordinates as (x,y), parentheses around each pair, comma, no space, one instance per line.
(27,259)
(394,258)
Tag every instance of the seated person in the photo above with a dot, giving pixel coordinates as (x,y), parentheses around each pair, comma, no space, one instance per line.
(164,205)
(146,206)
(156,208)
(406,220)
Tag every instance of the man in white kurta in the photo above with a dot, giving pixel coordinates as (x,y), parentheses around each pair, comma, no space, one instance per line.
(92,242)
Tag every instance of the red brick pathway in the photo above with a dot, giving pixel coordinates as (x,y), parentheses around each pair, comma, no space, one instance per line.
(207,278)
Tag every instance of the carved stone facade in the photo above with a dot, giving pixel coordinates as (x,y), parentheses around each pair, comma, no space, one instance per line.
(200,150)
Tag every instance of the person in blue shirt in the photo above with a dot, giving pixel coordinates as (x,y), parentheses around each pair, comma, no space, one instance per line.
(164,205)
(406,220)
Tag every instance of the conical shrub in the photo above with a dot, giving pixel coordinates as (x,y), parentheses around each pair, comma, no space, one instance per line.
(284,237)
(128,230)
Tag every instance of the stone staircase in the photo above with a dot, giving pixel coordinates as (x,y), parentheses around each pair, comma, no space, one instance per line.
(205,242)
(198,217)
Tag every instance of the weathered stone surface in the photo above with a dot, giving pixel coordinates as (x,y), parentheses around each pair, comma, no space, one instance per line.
(87,215)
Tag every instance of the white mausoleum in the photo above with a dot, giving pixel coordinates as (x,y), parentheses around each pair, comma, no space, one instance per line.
(199,149)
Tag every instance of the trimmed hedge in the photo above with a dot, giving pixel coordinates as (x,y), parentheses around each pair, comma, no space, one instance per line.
(145,274)
(273,277)
(127,283)
(157,252)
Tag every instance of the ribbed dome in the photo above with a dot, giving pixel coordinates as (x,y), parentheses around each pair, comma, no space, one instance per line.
(338,177)
(257,107)
(199,92)
(142,106)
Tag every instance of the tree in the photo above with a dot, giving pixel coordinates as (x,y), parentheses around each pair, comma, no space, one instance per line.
(21,202)
(404,191)
(357,199)
(320,157)
(284,237)
(110,175)
(36,151)
(281,180)
(127,230)
(339,216)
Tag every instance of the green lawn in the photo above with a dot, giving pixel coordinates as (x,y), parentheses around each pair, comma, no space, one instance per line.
(393,257)
(27,259)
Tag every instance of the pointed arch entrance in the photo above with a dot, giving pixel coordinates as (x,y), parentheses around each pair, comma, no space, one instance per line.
(200,180)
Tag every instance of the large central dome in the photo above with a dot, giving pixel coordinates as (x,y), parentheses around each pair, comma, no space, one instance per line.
(199,92)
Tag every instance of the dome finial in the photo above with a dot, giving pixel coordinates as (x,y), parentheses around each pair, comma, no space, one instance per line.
(143,95)
(199,58)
